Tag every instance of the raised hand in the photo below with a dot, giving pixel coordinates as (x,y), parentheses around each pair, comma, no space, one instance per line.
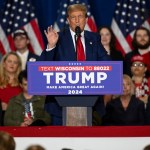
(52,37)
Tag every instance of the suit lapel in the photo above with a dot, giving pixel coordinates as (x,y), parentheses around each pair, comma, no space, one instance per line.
(70,46)
(88,46)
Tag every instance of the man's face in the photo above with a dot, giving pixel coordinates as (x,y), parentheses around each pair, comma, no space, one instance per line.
(21,42)
(77,18)
(24,85)
(142,39)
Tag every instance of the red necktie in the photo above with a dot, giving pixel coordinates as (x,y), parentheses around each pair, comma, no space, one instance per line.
(80,50)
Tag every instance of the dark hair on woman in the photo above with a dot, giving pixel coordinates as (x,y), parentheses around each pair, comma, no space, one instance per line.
(134,42)
(113,38)
(147,147)
(22,75)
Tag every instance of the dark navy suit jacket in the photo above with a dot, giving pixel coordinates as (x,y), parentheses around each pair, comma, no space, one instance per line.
(65,50)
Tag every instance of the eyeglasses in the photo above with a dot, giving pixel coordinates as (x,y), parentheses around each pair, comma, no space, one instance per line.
(138,65)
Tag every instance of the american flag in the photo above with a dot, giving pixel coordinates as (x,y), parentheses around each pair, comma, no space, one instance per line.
(128,16)
(19,14)
(62,20)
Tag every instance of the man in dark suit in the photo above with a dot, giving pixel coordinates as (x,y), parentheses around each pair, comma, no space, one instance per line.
(21,41)
(62,47)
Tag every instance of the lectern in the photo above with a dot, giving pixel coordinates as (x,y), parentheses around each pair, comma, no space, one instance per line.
(77,110)
(75,85)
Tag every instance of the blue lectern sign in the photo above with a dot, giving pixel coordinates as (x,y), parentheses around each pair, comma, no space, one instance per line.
(75,78)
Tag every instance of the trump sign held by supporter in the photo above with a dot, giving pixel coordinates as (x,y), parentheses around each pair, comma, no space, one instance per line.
(75,78)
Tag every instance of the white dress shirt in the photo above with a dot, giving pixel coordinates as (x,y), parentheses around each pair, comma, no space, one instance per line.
(24,57)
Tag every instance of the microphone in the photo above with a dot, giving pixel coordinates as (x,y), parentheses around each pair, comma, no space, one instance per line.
(77,31)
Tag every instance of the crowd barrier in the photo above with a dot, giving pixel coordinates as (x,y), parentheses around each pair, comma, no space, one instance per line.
(82,138)
(64,131)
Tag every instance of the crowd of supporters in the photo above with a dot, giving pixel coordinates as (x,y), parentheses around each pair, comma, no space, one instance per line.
(18,108)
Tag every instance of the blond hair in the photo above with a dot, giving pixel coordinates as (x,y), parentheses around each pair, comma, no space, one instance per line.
(4,78)
(127,78)
(76,7)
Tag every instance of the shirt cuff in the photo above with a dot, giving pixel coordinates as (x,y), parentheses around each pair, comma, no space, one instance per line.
(49,49)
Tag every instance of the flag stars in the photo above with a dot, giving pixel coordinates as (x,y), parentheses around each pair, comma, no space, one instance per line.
(127,30)
(118,4)
(26,12)
(143,10)
(134,24)
(15,0)
(88,13)
(125,5)
(77,2)
(122,21)
(20,10)
(65,5)
(13,7)
(128,22)
(129,14)
(16,25)
(63,13)
(66,22)
(130,7)
(18,17)
(12,15)
(10,22)
(8,30)
(84,4)
(142,17)
(117,12)
(32,14)
(136,8)
(88,6)
(138,1)
(136,16)
(25,19)
(123,13)
(61,20)
(143,2)
(28,5)
(22,2)
(4,20)
(6,12)
(8,5)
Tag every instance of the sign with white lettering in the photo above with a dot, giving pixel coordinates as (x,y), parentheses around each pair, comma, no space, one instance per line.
(75,78)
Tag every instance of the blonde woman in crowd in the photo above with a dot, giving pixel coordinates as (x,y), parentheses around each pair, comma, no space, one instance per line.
(125,109)
(10,68)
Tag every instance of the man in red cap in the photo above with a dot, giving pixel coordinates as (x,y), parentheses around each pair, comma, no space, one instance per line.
(141,82)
